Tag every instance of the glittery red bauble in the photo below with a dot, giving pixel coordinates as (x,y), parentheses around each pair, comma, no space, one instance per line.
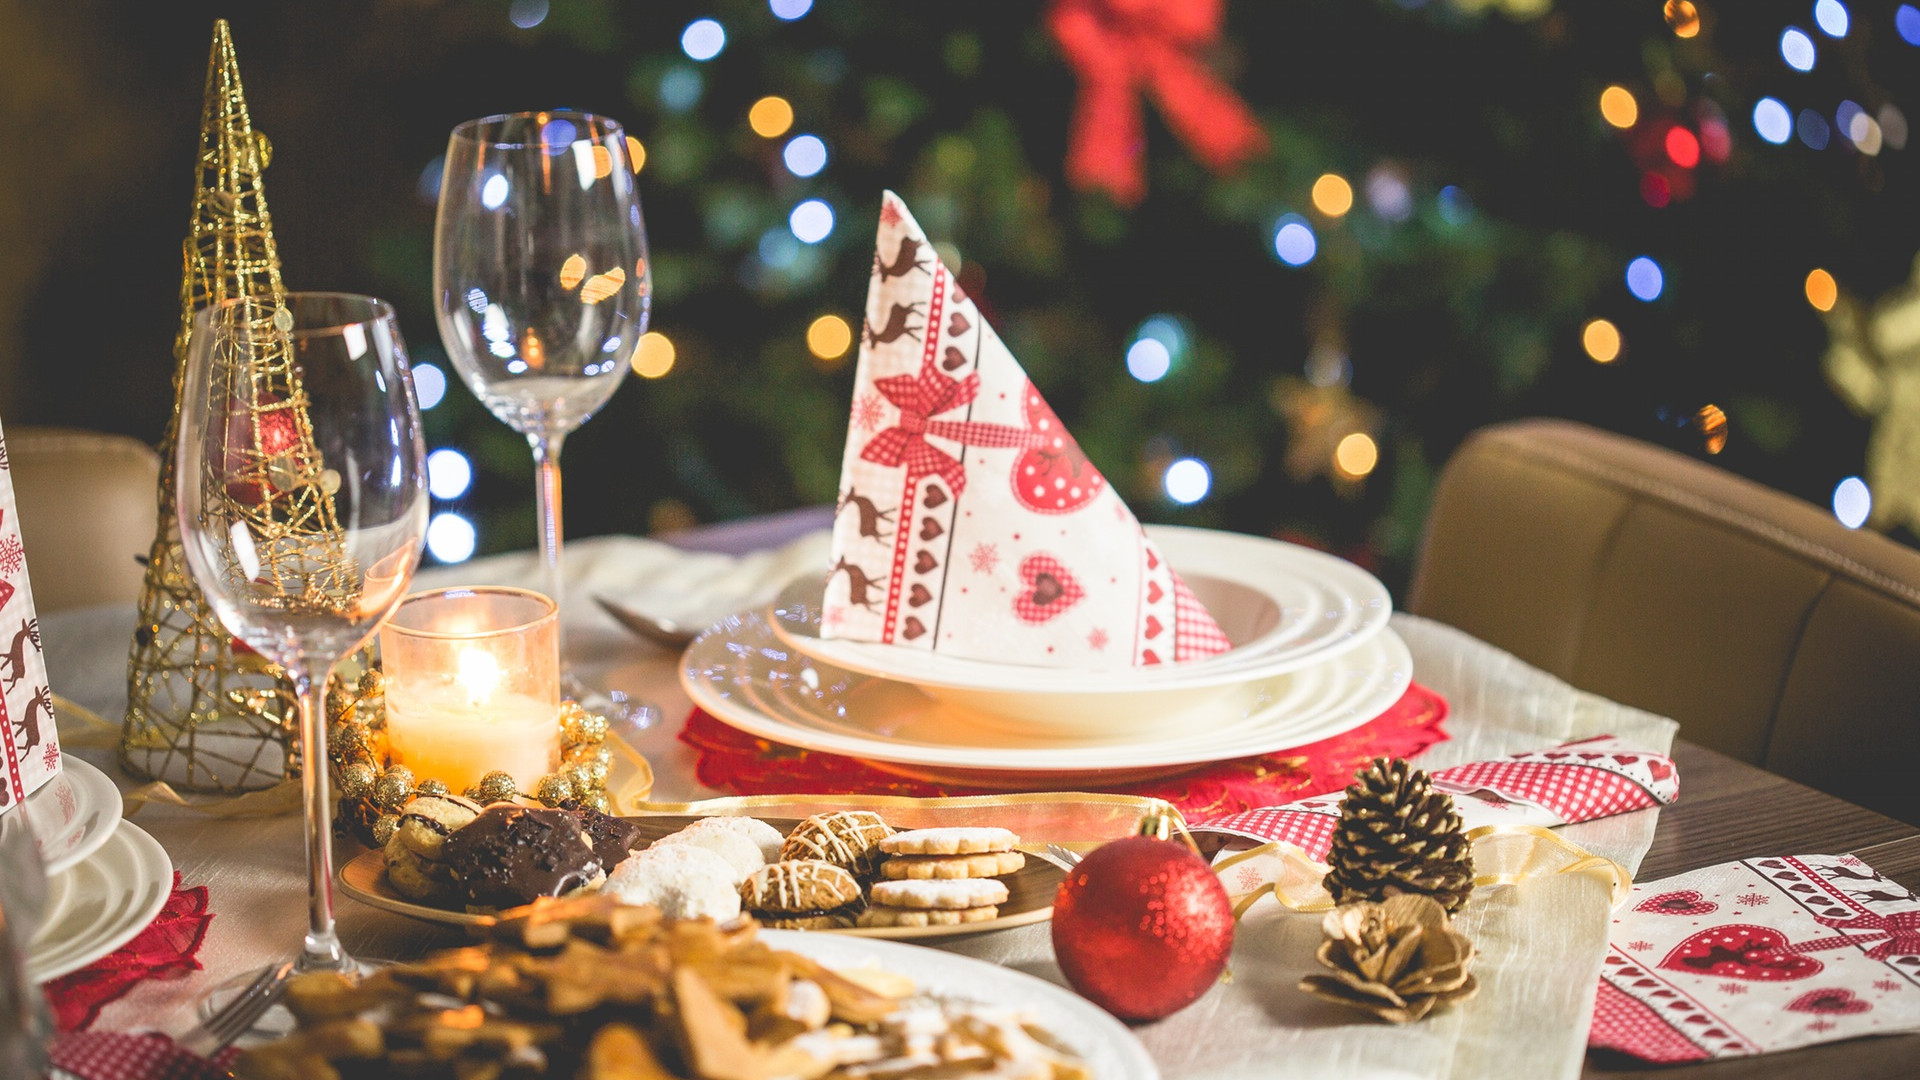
(1142,927)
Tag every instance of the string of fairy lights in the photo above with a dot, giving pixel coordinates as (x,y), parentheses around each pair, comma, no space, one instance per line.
(1671,137)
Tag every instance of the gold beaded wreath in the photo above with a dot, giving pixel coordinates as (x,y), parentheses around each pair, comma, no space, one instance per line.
(372,790)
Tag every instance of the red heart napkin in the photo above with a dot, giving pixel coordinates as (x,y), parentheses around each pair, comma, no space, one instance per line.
(979,529)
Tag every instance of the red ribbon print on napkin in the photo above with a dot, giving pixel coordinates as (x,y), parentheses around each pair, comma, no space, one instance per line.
(920,398)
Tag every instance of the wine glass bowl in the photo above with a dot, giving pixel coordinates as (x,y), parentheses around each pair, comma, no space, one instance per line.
(301,479)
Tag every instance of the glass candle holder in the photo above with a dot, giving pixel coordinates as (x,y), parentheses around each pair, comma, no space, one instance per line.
(473,685)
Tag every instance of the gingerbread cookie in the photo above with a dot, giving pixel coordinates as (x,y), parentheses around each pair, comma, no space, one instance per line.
(799,887)
(962,840)
(846,838)
(984,865)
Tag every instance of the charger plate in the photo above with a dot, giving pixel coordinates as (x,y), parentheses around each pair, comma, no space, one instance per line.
(1030,890)
(100,903)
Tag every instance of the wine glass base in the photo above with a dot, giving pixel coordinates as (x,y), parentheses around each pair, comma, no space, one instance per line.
(620,709)
(277,1022)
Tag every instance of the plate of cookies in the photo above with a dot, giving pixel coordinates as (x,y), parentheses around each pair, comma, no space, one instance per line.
(453,861)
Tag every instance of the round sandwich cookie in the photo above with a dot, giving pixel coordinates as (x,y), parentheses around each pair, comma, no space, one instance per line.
(428,820)
(799,887)
(846,838)
(987,864)
(951,895)
(880,915)
(958,840)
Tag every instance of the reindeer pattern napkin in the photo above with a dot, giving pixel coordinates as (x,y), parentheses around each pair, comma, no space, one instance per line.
(970,522)
(1759,955)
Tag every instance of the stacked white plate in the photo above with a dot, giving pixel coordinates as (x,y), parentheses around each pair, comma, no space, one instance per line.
(106,878)
(1313,657)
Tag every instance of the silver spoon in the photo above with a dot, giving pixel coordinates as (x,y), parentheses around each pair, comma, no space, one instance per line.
(664,632)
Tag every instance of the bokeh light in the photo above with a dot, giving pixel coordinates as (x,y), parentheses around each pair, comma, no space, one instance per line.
(636,154)
(1772,120)
(829,337)
(1332,195)
(1711,423)
(1683,147)
(1294,242)
(1356,455)
(1907,21)
(429,385)
(1645,280)
(1456,207)
(1832,18)
(811,221)
(653,356)
(527,14)
(789,10)
(770,117)
(449,473)
(1188,480)
(805,155)
(1852,502)
(1822,291)
(680,88)
(1388,194)
(494,191)
(451,538)
(1149,360)
(428,186)
(1682,18)
(1618,107)
(1601,339)
(1655,191)
(573,271)
(1796,48)
(703,39)
(1813,129)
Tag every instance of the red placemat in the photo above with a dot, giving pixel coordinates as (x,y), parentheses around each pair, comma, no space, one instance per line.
(735,761)
(166,949)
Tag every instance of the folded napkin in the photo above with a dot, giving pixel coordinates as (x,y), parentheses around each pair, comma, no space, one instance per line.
(1575,781)
(970,522)
(1759,955)
(166,949)
(122,1056)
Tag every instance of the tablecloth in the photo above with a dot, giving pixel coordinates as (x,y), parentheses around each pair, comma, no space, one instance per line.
(1530,1019)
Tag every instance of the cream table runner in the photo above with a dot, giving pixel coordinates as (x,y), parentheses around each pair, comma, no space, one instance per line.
(1541,943)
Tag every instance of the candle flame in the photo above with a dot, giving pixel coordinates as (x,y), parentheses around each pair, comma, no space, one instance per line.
(479,676)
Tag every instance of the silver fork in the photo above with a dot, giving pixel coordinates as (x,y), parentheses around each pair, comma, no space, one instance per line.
(238,1015)
(1064,858)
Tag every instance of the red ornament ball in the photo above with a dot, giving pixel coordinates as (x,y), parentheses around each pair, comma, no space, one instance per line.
(1142,927)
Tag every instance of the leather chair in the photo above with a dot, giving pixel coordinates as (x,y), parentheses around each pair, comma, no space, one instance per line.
(88,503)
(1766,628)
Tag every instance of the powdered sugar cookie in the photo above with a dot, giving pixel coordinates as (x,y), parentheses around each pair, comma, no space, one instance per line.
(984,865)
(765,836)
(741,853)
(683,882)
(960,840)
(893,916)
(945,895)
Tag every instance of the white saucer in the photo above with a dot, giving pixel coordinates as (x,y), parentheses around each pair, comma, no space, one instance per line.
(1286,607)
(101,903)
(741,673)
(72,814)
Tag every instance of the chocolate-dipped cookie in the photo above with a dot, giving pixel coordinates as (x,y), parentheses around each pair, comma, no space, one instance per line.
(511,855)
(613,838)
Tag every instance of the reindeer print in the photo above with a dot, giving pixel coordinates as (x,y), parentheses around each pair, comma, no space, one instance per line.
(42,702)
(906,259)
(13,662)
(870,515)
(860,587)
(896,327)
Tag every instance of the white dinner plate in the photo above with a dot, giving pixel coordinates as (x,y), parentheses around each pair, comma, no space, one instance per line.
(1284,606)
(72,814)
(1110,1051)
(100,903)
(741,673)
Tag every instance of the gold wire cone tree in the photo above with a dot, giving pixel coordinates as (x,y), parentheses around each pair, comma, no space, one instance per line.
(204,713)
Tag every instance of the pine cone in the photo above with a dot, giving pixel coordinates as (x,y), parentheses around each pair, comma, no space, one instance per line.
(1396,960)
(1398,835)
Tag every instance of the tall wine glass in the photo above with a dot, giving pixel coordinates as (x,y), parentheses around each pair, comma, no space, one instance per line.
(541,281)
(303,505)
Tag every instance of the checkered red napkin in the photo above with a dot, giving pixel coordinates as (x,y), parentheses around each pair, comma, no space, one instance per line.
(1759,955)
(1576,781)
(119,1056)
(970,521)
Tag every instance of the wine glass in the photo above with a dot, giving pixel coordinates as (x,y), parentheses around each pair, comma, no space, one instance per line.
(303,506)
(541,282)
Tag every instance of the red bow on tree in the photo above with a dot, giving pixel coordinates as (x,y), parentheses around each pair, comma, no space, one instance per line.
(922,397)
(1121,47)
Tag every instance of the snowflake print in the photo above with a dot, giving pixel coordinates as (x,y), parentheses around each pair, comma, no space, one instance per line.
(12,554)
(1849,860)
(1639,946)
(1752,899)
(868,411)
(1732,988)
(1821,1025)
(1887,985)
(1097,640)
(984,557)
(1248,879)
(833,618)
(51,757)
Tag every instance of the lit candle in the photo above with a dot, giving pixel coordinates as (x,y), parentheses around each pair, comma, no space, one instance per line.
(473,685)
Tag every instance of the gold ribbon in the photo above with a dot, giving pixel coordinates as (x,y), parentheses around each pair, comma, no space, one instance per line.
(1502,855)
(1077,821)
(81,727)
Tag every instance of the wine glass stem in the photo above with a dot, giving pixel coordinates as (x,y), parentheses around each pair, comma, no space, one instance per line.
(546,482)
(322,951)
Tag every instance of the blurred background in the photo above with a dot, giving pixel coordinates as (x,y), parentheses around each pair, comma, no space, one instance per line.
(1691,222)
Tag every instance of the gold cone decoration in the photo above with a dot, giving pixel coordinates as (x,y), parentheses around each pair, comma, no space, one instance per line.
(1398,835)
(1396,960)
(202,713)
